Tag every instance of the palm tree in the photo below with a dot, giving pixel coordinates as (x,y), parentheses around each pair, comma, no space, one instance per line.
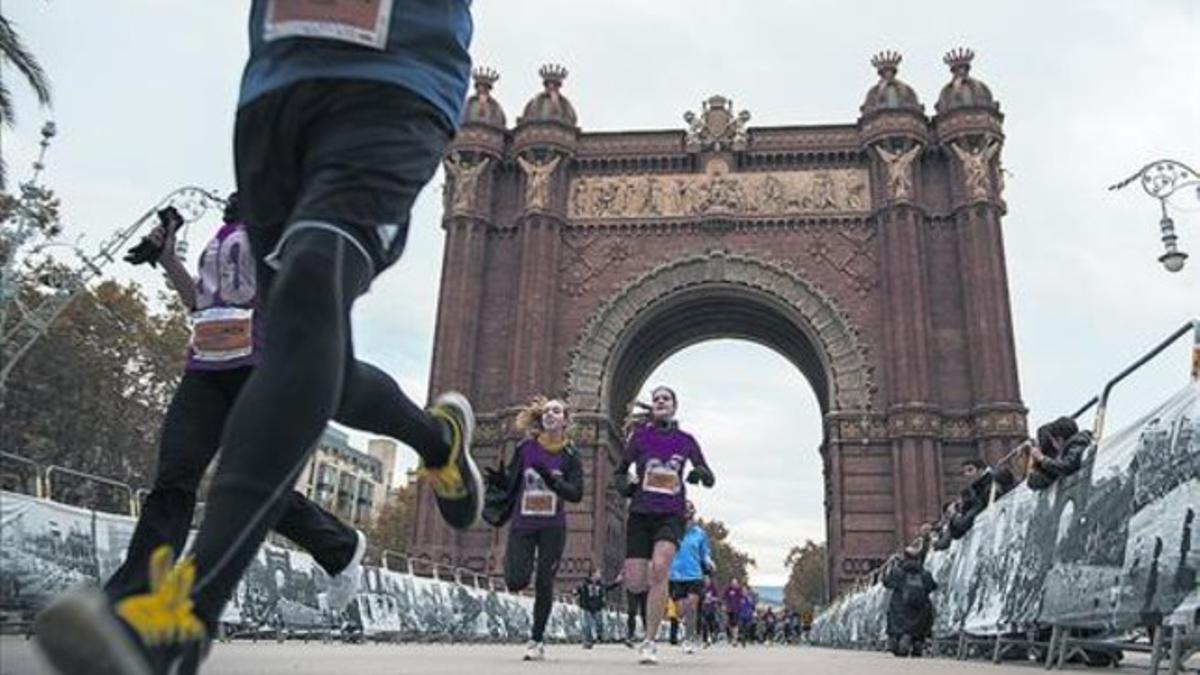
(13,53)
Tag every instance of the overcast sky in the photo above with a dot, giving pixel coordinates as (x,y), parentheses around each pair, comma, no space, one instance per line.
(1091,90)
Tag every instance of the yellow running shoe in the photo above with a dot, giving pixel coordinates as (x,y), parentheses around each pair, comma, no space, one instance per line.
(156,633)
(458,485)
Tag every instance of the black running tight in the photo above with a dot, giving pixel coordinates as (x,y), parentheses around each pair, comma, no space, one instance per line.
(527,548)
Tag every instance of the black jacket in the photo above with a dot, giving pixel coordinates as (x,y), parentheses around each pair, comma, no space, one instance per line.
(504,485)
(1043,474)
(909,610)
(592,595)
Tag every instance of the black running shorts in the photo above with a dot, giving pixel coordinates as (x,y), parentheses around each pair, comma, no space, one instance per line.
(681,589)
(347,155)
(642,530)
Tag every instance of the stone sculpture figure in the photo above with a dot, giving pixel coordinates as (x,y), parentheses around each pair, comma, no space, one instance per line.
(537,190)
(464,178)
(899,174)
(976,165)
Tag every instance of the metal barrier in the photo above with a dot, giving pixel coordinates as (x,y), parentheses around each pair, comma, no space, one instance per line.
(37,474)
(1192,326)
(51,471)
(1170,640)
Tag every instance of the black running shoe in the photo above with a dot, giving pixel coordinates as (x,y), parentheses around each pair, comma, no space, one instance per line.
(458,485)
(150,634)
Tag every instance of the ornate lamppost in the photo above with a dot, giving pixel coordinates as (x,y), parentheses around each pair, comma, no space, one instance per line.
(1161,179)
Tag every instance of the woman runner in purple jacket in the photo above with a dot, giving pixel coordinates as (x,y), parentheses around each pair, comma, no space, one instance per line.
(660,452)
(544,472)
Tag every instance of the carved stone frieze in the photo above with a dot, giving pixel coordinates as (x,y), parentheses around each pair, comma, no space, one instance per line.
(719,192)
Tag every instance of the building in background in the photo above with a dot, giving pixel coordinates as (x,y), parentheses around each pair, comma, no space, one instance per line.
(347,482)
(385,450)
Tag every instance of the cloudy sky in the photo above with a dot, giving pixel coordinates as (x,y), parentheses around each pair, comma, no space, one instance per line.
(1091,89)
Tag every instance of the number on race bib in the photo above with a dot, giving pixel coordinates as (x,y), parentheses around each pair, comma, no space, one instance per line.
(360,22)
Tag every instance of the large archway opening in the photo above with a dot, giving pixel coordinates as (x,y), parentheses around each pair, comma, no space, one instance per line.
(759,422)
(719,296)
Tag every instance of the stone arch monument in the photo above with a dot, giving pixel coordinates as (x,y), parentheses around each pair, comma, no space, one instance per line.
(869,254)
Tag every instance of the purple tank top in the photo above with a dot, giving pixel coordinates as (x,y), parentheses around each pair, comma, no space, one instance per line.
(537,505)
(661,455)
(225,328)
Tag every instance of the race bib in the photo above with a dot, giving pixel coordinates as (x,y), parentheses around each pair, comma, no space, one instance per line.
(661,480)
(360,22)
(222,334)
(541,503)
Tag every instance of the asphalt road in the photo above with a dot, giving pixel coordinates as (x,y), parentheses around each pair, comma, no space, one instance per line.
(20,657)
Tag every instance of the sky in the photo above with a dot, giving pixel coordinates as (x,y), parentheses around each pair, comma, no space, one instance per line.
(145,90)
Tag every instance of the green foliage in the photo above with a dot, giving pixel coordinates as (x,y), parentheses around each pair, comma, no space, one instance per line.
(807,580)
(90,394)
(393,527)
(731,562)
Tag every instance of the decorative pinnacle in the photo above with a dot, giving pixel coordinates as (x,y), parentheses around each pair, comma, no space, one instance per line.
(959,60)
(552,74)
(886,63)
(485,77)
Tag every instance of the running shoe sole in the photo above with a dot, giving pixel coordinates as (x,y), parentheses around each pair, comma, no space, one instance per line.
(80,635)
(472,476)
(339,599)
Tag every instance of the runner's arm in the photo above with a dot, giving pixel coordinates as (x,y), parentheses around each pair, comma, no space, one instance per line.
(179,279)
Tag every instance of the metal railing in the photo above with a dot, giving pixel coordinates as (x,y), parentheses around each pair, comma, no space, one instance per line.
(51,471)
(1101,400)
(35,470)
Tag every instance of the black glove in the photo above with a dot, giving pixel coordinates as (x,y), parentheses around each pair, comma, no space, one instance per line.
(700,474)
(626,487)
(494,477)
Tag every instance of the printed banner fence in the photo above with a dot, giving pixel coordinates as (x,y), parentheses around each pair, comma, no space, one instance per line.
(1109,548)
(47,547)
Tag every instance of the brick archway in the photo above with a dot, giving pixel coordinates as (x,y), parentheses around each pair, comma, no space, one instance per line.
(870,254)
(705,292)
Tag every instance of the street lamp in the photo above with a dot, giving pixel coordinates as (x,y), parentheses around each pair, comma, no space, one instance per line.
(1161,179)
(23,320)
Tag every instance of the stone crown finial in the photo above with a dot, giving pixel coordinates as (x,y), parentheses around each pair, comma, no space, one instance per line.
(552,73)
(959,59)
(886,63)
(485,77)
